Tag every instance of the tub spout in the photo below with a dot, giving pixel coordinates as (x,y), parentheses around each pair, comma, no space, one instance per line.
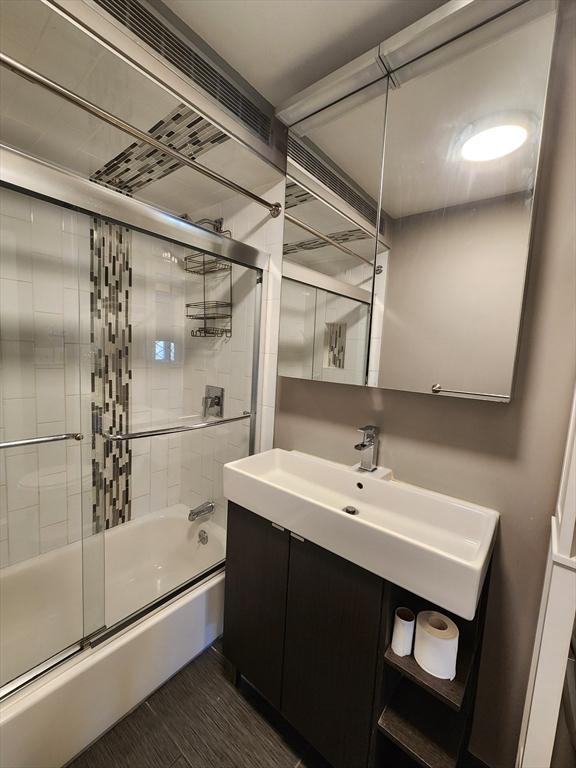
(202,511)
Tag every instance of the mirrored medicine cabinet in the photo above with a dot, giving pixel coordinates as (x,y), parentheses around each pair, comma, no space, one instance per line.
(408,218)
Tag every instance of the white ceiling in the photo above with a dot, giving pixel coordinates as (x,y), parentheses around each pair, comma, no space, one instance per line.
(283,46)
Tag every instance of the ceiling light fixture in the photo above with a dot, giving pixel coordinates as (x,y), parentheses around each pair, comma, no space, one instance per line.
(495,142)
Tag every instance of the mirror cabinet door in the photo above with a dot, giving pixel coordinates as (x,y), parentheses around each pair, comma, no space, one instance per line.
(462,142)
(334,173)
(323,335)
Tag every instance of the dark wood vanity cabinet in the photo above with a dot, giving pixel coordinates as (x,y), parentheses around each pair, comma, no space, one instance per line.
(303,626)
(333,615)
(311,631)
(255,607)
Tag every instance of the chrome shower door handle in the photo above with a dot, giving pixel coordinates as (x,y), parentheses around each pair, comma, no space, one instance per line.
(41,440)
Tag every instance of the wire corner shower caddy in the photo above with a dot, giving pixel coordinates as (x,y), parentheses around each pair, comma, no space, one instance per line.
(213,313)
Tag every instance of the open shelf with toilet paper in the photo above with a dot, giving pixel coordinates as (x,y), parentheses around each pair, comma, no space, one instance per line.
(427,717)
(451,692)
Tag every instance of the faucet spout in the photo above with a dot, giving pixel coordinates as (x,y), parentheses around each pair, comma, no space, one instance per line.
(201,512)
(368,448)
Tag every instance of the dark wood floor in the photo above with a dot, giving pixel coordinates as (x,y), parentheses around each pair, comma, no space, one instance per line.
(198,719)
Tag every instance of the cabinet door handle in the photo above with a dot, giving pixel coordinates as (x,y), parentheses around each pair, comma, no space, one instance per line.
(279,527)
(295,536)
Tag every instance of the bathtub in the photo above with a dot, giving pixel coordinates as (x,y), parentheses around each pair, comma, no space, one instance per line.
(40,609)
(42,612)
(150,556)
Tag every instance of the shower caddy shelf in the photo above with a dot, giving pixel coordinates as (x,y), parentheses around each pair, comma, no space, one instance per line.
(214,316)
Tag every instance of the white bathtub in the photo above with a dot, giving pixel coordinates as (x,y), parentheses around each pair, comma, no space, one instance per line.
(42,613)
(40,609)
(148,557)
(42,600)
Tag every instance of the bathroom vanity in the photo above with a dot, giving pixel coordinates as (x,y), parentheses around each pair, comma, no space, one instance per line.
(310,628)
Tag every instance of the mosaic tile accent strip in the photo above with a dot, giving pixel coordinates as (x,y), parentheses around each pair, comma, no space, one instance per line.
(335,345)
(139,164)
(296,195)
(111,338)
(346,236)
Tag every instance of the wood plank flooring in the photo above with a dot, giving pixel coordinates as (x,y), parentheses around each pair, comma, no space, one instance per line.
(198,719)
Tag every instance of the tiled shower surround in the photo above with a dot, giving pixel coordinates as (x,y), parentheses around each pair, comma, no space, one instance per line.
(45,374)
(170,370)
(47,363)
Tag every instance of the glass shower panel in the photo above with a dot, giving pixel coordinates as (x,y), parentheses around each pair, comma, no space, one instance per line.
(49,597)
(186,323)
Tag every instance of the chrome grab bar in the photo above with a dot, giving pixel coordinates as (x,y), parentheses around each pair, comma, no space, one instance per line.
(437,388)
(174,430)
(275,209)
(40,440)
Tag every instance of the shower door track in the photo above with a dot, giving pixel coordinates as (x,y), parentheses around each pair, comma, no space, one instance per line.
(106,633)
(12,686)
(32,176)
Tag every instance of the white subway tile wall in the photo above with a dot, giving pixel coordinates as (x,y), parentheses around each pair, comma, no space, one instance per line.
(170,370)
(252,224)
(45,368)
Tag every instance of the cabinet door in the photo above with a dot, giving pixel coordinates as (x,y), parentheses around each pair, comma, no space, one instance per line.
(255,599)
(332,628)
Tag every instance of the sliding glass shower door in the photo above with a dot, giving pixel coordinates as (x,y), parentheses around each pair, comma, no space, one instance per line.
(128,376)
(51,557)
(186,359)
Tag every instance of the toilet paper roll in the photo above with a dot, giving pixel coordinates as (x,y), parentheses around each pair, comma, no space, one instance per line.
(403,633)
(436,645)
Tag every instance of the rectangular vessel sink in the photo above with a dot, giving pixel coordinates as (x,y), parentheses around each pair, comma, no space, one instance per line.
(435,546)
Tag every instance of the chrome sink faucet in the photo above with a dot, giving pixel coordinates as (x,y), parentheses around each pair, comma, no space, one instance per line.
(368,448)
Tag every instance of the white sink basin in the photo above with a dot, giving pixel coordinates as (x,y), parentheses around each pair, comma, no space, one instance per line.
(433,545)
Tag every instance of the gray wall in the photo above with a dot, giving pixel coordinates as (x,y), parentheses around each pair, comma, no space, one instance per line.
(504,456)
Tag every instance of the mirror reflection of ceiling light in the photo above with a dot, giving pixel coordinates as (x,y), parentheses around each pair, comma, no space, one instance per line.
(495,142)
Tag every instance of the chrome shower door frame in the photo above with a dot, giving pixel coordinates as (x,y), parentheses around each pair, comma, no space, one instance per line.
(27,175)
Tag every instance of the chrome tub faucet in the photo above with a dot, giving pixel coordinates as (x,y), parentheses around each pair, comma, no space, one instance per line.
(368,448)
(201,512)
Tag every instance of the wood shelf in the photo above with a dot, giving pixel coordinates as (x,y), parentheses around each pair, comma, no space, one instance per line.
(451,692)
(423,727)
